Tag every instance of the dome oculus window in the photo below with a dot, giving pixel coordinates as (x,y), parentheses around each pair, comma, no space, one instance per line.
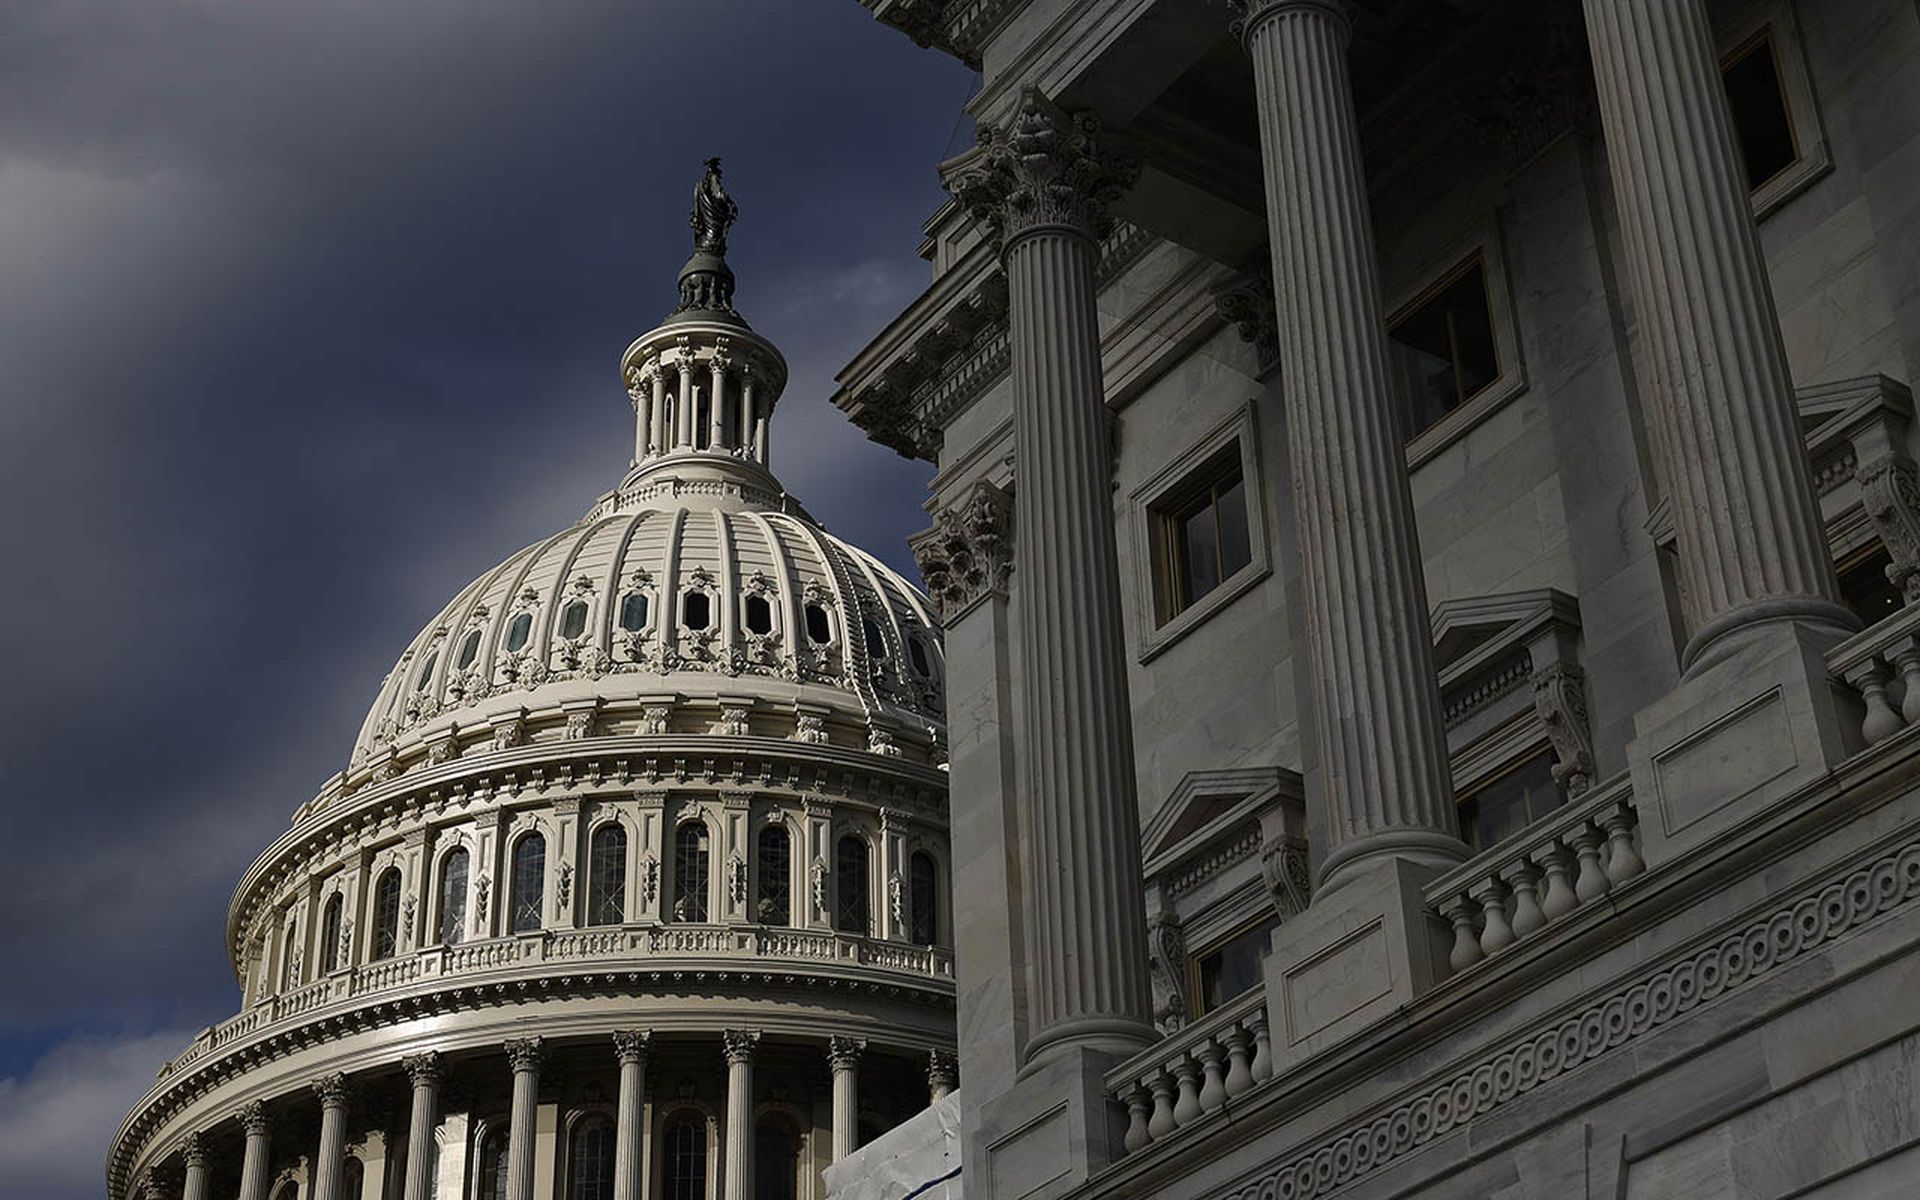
(819,626)
(759,615)
(519,631)
(573,619)
(1200,533)
(696,610)
(1443,348)
(633,612)
(469,650)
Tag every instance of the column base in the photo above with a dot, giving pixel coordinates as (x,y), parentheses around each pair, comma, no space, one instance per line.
(1751,723)
(1047,1134)
(1356,957)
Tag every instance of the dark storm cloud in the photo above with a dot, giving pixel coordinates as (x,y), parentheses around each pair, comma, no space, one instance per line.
(310,314)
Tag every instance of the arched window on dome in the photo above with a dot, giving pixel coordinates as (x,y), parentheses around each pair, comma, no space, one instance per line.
(469,650)
(633,612)
(573,619)
(776,1159)
(590,1162)
(289,961)
(453,896)
(386,914)
(425,678)
(607,875)
(759,615)
(518,631)
(330,917)
(819,625)
(529,883)
(493,1165)
(852,885)
(683,1167)
(876,641)
(773,852)
(690,871)
(353,1178)
(923,897)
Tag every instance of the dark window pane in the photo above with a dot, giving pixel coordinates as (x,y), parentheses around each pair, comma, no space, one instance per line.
(1444,350)
(1200,554)
(1235,967)
(591,1174)
(1499,809)
(690,872)
(453,897)
(330,935)
(493,1166)
(917,655)
(686,1167)
(850,868)
(529,882)
(819,629)
(1204,537)
(775,865)
(633,612)
(1759,108)
(469,649)
(426,672)
(386,914)
(759,615)
(573,619)
(607,876)
(924,896)
(696,610)
(776,1160)
(519,631)
(1866,590)
(876,641)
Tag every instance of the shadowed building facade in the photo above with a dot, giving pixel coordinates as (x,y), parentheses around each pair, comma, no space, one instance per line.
(1427,539)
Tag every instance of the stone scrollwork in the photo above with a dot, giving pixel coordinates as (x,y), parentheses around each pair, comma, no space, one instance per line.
(969,551)
(1560,698)
(1167,951)
(1246,300)
(736,880)
(817,878)
(1890,492)
(1283,864)
(649,879)
(1046,168)
(563,890)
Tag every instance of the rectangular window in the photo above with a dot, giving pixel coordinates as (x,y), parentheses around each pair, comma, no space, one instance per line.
(1502,807)
(1233,967)
(1865,589)
(1757,100)
(1443,348)
(1200,534)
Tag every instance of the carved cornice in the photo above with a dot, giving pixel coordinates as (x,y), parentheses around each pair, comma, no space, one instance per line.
(525,1054)
(631,1045)
(961,28)
(844,1053)
(1046,169)
(424,1069)
(968,554)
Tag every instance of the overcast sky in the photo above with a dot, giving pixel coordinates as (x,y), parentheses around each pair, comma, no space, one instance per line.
(309,314)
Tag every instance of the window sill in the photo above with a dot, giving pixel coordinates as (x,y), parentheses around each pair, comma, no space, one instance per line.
(1155,641)
(1426,445)
(1775,194)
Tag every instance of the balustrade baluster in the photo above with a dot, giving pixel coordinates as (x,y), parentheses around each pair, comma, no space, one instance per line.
(1560,899)
(1186,1110)
(1623,861)
(1907,661)
(1162,1122)
(1213,1090)
(1466,938)
(1870,679)
(1495,933)
(1592,883)
(1239,1073)
(1138,1106)
(1523,879)
(1262,1049)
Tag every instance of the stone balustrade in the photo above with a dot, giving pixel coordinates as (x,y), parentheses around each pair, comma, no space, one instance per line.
(1566,861)
(625,944)
(1881,665)
(1195,1072)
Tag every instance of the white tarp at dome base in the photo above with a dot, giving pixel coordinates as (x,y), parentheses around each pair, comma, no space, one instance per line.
(918,1159)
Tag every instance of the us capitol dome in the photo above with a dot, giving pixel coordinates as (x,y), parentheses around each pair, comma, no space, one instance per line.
(636,882)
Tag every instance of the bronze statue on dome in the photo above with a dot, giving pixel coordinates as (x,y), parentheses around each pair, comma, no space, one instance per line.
(713,211)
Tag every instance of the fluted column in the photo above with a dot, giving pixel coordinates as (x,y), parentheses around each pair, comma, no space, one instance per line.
(334,1095)
(194,1152)
(253,1162)
(1375,699)
(641,393)
(525,1055)
(423,1072)
(683,406)
(1043,185)
(717,406)
(843,1056)
(943,1072)
(738,1180)
(747,416)
(657,431)
(1752,546)
(631,1047)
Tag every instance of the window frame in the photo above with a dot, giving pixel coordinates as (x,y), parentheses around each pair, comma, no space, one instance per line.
(383,945)
(762,877)
(1146,506)
(1777,20)
(1483,243)
(1266,916)
(457,900)
(704,892)
(515,899)
(598,887)
(843,878)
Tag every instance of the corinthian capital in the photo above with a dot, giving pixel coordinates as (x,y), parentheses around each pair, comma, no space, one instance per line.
(333,1090)
(1249,15)
(844,1053)
(254,1119)
(630,1045)
(1045,168)
(739,1045)
(969,551)
(423,1069)
(525,1054)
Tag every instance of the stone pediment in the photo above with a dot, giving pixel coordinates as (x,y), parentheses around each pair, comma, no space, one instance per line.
(1209,805)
